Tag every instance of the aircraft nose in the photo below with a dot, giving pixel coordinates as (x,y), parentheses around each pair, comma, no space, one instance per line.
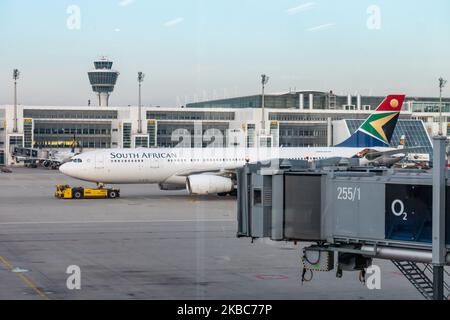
(66,169)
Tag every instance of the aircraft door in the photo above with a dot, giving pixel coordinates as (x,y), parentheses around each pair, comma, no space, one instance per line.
(99,161)
(154,163)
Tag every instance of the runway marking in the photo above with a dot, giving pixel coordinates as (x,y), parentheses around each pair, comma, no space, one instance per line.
(112,221)
(24,278)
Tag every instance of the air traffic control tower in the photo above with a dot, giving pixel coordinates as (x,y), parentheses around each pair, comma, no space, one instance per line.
(103,80)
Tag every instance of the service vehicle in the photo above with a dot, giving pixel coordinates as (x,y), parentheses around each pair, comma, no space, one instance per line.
(64,191)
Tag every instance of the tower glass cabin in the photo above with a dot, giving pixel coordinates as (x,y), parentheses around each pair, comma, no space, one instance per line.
(103,80)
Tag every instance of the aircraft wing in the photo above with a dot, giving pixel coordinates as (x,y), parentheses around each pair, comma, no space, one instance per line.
(24,158)
(377,154)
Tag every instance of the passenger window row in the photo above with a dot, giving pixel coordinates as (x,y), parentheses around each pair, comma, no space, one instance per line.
(127,160)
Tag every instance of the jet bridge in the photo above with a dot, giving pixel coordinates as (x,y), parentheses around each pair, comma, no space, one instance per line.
(352,215)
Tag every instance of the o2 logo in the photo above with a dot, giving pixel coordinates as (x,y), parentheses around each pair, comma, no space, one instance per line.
(398,209)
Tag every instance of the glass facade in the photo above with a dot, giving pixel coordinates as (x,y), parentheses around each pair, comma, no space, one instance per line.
(151,131)
(2,129)
(251,128)
(126,135)
(266,141)
(320,101)
(15,141)
(414,131)
(274,132)
(28,132)
(141,141)
(60,134)
(190,115)
(102,81)
(290,116)
(183,133)
(69,114)
(302,135)
(2,157)
(103,78)
(291,100)
(103,64)
(307,134)
(430,106)
(240,102)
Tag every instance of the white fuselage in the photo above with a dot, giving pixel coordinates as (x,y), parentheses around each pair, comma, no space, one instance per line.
(173,165)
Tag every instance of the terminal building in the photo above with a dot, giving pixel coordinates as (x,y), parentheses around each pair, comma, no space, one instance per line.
(309,103)
(292,119)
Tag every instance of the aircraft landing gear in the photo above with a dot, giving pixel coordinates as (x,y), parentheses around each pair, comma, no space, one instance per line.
(231,193)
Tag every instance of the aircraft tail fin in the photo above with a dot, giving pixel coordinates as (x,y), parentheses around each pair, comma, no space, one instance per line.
(378,128)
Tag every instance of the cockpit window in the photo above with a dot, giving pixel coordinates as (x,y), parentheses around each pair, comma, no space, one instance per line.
(78,160)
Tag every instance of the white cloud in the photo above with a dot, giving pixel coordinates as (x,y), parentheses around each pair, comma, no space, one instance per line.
(321,27)
(117,30)
(173,22)
(300,8)
(124,3)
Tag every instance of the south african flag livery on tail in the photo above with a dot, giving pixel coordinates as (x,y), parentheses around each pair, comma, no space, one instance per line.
(377,130)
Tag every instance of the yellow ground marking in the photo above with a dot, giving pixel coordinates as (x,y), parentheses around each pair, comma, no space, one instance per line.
(24,279)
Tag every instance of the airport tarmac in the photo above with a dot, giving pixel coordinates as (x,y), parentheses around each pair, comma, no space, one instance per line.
(151,244)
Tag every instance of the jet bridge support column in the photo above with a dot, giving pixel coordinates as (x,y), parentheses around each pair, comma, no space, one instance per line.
(438,241)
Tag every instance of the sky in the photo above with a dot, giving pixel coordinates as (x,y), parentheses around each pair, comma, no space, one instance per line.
(194,50)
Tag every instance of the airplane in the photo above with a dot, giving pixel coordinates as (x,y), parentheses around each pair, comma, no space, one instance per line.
(384,159)
(213,170)
(47,158)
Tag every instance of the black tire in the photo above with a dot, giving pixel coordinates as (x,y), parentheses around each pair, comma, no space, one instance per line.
(77,194)
(113,194)
(233,193)
(222,194)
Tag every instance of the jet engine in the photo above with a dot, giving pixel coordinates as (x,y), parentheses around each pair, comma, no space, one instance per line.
(208,184)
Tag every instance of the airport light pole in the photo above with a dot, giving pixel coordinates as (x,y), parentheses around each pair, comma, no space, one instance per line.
(442,83)
(439,250)
(264,80)
(16,75)
(140,80)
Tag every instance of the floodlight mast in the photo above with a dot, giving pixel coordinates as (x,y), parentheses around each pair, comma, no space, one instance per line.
(442,83)
(16,75)
(141,76)
(264,80)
